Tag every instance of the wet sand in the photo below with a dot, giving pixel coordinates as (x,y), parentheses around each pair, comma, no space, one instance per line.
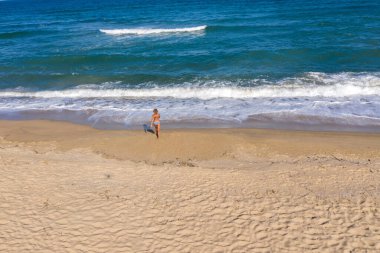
(71,188)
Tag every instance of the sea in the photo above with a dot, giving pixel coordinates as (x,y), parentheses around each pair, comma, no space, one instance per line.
(290,64)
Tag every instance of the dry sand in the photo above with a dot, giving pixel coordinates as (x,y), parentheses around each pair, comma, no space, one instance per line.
(71,188)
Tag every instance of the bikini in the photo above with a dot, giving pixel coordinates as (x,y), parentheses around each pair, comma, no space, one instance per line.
(156,123)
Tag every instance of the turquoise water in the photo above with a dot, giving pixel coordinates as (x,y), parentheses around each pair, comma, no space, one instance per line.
(214,63)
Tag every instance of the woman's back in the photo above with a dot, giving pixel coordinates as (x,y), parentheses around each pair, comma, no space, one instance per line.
(156,117)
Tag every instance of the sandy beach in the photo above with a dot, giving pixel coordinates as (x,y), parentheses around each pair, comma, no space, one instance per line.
(269,114)
(71,188)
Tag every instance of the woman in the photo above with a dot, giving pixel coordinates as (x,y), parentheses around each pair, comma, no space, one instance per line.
(156,121)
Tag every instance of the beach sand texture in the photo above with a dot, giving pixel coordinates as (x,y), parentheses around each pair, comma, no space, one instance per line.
(71,188)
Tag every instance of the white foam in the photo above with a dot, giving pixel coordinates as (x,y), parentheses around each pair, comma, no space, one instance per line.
(344,98)
(204,93)
(310,85)
(144,31)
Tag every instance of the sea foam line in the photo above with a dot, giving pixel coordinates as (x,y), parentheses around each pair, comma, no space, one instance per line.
(205,93)
(312,84)
(143,31)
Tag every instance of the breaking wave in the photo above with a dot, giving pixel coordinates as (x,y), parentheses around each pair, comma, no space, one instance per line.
(311,85)
(144,31)
(345,99)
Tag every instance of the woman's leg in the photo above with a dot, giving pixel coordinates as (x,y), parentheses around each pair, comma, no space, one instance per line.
(157,130)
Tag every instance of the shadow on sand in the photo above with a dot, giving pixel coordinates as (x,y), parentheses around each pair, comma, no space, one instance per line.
(148,129)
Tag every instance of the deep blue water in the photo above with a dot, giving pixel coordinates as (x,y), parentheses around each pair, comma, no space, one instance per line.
(233,62)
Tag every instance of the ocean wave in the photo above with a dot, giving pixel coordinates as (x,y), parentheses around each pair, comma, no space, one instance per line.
(204,93)
(144,31)
(360,112)
(312,84)
(345,99)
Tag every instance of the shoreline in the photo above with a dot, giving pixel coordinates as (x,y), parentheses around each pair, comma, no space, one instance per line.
(262,123)
(190,143)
